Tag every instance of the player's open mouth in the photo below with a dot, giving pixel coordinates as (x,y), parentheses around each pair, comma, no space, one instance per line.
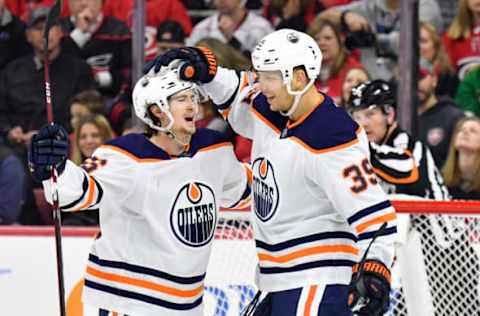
(270,99)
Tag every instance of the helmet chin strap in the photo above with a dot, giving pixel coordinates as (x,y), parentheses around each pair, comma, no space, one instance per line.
(175,138)
(298,95)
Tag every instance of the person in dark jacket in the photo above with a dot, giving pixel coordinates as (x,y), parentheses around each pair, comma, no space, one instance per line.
(22,84)
(103,42)
(437,117)
(13,43)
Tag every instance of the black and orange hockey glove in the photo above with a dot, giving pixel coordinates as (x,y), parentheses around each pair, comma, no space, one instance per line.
(369,290)
(199,64)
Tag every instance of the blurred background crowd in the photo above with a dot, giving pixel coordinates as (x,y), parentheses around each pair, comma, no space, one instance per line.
(90,54)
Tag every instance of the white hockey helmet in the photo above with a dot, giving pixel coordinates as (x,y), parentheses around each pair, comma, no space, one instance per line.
(284,50)
(156,90)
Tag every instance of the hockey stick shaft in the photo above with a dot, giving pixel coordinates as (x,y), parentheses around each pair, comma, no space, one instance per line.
(52,19)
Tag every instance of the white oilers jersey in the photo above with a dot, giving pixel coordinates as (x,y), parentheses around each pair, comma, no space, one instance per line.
(317,202)
(157,217)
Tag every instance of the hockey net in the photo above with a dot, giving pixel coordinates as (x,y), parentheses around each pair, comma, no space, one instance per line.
(435,271)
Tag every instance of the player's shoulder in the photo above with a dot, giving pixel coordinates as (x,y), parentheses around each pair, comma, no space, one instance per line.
(261,109)
(136,147)
(207,139)
(326,128)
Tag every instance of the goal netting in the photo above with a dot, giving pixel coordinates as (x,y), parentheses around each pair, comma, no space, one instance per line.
(435,272)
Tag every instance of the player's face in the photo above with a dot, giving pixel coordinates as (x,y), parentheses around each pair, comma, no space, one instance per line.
(427,47)
(183,107)
(272,86)
(468,138)
(373,121)
(354,77)
(89,139)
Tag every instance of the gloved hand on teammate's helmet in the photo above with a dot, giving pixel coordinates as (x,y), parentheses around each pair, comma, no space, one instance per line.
(48,148)
(369,293)
(199,64)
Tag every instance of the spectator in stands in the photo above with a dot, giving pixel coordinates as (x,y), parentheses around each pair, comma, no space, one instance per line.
(12,186)
(22,84)
(437,116)
(93,130)
(462,168)
(232,24)
(448,9)
(170,34)
(374,27)
(353,77)
(292,14)
(13,43)
(84,103)
(335,62)
(227,57)
(103,42)
(157,12)
(432,49)
(468,93)
(462,39)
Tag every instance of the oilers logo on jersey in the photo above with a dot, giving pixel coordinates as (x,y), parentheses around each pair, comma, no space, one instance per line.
(265,189)
(193,215)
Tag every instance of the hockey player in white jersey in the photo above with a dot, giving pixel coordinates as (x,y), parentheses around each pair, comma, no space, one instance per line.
(158,196)
(317,203)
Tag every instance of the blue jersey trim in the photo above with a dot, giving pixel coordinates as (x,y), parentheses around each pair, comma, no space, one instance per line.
(142,297)
(261,107)
(305,239)
(139,146)
(369,210)
(144,270)
(386,232)
(326,127)
(308,266)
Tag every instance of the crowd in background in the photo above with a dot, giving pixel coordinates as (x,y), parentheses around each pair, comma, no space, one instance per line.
(90,65)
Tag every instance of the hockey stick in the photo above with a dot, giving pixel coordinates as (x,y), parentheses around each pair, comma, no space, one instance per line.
(52,19)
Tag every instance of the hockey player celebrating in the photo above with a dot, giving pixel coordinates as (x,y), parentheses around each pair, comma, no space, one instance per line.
(317,204)
(158,196)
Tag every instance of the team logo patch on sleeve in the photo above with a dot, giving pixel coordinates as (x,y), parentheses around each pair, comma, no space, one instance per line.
(265,189)
(193,215)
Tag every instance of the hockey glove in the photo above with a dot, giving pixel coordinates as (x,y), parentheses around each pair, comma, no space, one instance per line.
(369,291)
(49,147)
(199,64)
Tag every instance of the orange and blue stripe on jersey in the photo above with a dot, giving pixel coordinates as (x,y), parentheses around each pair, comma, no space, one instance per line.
(327,249)
(144,284)
(91,196)
(372,217)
